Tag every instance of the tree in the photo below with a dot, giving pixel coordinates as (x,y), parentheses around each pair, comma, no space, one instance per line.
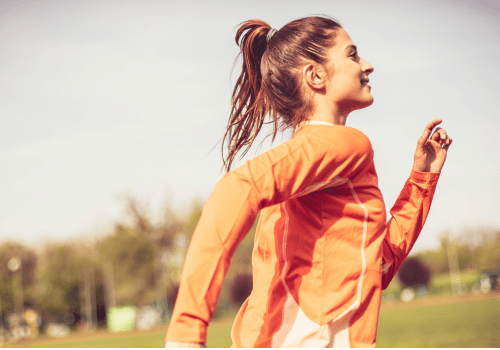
(437,260)
(413,272)
(132,258)
(27,272)
(161,233)
(487,257)
(193,218)
(61,285)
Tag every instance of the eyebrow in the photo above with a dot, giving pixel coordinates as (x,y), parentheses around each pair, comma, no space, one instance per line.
(351,47)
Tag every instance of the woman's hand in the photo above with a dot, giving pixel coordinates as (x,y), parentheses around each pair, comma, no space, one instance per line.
(431,151)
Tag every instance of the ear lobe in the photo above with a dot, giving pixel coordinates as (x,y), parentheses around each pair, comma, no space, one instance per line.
(314,77)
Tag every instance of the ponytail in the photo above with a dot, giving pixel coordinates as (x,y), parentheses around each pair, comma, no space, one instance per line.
(249,105)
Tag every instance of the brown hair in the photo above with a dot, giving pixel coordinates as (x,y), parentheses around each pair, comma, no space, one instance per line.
(270,80)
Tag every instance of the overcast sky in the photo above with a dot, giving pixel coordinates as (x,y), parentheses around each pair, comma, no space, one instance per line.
(103,99)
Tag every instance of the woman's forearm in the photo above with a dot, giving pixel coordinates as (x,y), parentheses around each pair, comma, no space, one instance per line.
(408,217)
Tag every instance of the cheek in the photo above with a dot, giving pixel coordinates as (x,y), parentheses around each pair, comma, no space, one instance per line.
(347,85)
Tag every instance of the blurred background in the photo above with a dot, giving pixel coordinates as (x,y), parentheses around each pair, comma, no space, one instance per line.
(110,118)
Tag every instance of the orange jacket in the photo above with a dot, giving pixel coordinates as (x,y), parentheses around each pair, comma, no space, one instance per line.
(323,247)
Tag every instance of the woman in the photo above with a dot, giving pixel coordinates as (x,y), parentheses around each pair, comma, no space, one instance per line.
(323,247)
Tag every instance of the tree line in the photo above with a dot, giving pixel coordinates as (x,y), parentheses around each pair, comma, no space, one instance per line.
(140,262)
(476,249)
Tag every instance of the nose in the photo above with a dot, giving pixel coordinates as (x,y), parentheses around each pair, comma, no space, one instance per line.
(366,67)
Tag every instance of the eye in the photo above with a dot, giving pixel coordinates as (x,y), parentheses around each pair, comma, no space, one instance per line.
(354,54)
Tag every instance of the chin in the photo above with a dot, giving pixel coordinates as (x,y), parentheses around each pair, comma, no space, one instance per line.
(370,102)
(354,105)
(366,103)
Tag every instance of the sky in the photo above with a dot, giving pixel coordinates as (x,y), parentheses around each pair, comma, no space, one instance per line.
(100,100)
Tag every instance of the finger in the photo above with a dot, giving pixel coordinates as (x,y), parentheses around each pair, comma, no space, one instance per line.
(442,133)
(445,138)
(430,126)
(436,136)
(448,144)
(439,133)
(446,141)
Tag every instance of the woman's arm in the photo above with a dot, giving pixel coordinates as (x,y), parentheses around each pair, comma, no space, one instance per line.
(413,204)
(312,159)
(408,217)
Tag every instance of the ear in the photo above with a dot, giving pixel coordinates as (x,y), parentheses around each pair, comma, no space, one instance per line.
(314,76)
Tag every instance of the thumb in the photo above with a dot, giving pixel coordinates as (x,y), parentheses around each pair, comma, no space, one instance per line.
(421,142)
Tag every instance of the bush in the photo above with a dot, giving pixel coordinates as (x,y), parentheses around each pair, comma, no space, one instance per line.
(172,296)
(241,288)
(413,272)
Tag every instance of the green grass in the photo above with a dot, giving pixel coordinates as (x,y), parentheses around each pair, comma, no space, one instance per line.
(460,324)
(218,336)
(470,324)
(128,341)
(466,277)
(440,284)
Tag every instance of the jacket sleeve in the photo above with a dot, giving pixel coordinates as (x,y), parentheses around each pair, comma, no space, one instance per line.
(307,162)
(408,217)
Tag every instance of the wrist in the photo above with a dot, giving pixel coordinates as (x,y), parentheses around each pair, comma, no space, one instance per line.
(426,169)
(424,176)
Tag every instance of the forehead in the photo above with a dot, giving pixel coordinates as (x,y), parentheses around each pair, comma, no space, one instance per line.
(342,40)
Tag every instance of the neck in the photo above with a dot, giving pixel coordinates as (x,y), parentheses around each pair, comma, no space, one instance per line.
(330,114)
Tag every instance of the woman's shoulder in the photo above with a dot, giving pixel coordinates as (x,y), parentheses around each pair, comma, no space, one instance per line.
(314,146)
(337,137)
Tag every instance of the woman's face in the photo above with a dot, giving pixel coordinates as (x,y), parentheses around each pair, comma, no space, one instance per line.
(348,84)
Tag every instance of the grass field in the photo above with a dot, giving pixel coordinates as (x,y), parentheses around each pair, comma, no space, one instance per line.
(441,321)
(440,283)
(469,322)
